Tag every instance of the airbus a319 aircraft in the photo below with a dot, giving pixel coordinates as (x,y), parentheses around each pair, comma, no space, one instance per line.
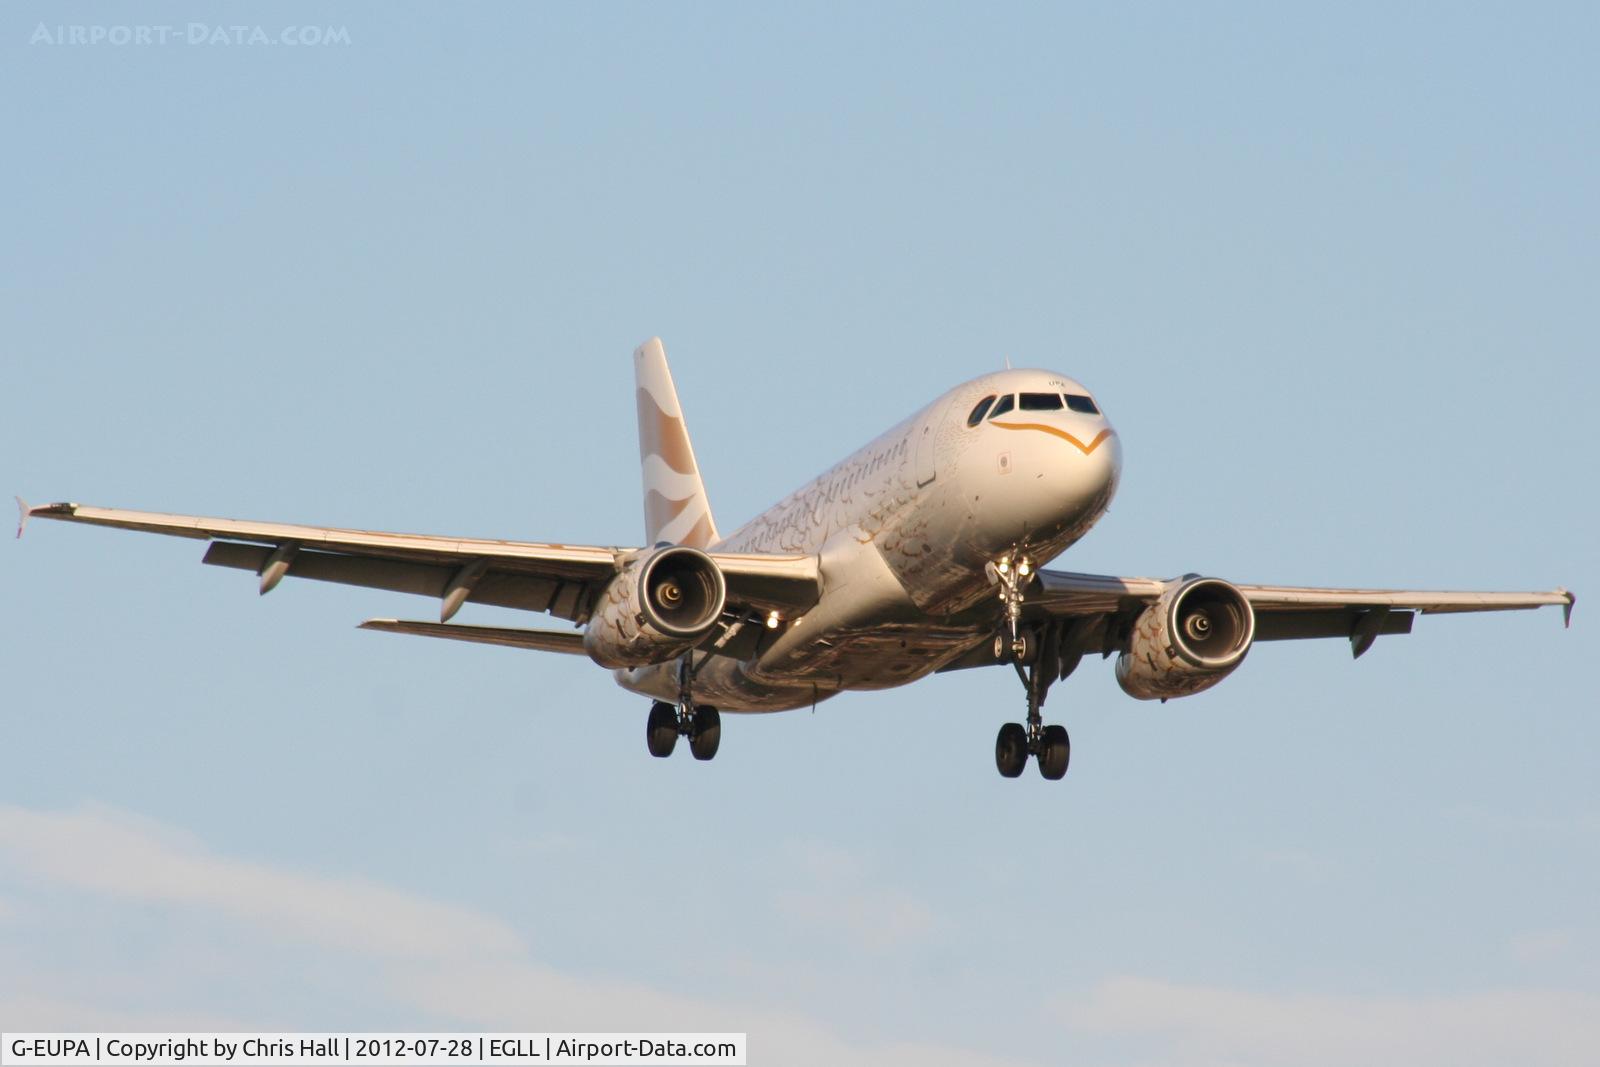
(920,552)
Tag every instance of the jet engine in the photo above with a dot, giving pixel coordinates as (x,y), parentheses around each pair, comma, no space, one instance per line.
(660,606)
(1187,641)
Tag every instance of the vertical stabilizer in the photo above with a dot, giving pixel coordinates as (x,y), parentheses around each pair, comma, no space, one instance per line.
(675,506)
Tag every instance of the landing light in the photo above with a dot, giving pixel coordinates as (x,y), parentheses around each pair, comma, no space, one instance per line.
(1023,568)
(772,620)
(1004,567)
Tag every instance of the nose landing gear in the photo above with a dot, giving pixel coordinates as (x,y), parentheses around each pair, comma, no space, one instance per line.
(1040,658)
(1011,572)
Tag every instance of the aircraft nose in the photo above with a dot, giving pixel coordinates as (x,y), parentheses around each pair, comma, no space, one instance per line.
(1093,465)
(1108,468)
(1052,477)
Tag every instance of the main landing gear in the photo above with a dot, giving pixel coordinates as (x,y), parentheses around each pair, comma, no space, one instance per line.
(1016,742)
(699,723)
(1037,657)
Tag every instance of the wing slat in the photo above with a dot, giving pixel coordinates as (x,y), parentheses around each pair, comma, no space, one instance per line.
(576,561)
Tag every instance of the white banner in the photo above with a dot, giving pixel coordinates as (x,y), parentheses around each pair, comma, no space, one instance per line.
(369,1050)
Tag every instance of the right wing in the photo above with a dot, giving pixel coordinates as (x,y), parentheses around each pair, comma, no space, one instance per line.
(563,580)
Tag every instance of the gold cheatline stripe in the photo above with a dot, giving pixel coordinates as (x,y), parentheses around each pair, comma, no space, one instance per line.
(1064,435)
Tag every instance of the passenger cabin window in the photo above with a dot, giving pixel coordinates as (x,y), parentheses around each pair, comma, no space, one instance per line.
(1040,402)
(1005,405)
(979,411)
(1082,405)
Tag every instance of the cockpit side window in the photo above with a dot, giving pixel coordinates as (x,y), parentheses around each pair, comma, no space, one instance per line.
(1040,402)
(980,411)
(1005,404)
(1082,405)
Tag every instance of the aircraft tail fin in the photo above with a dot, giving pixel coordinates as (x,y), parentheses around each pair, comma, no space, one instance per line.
(675,506)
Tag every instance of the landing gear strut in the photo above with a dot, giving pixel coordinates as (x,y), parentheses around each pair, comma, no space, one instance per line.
(1037,657)
(701,723)
(1016,741)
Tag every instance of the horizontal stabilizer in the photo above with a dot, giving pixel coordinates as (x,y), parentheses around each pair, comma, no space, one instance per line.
(570,642)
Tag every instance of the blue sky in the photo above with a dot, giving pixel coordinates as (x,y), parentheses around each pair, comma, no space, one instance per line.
(1332,275)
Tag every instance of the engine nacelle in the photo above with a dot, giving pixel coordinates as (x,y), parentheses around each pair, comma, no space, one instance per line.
(660,606)
(1187,641)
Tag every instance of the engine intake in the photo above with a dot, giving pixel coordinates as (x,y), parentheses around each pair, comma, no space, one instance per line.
(1187,641)
(659,607)
(681,591)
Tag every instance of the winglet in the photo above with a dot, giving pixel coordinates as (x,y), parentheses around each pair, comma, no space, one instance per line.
(1566,609)
(22,515)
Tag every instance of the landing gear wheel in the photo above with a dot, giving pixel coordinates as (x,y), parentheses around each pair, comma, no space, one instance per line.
(705,733)
(1011,750)
(1055,751)
(1024,650)
(661,729)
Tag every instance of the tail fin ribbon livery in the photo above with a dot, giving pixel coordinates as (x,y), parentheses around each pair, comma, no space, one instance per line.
(676,509)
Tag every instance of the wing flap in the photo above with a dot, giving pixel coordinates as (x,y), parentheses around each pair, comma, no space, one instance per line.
(1297,625)
(570,643)
(505,590)
(785,584)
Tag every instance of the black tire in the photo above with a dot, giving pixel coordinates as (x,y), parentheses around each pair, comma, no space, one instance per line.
(707,733)
(1011,750)
(661,729)
(1055,752)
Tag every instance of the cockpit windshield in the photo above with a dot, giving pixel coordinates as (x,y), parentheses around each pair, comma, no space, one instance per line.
(1077,402)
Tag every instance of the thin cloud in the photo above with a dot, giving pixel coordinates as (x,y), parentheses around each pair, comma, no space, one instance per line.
(1203,1025)
(1536,946)
(104,851)
(438,961)
(833,892)
(44,1014)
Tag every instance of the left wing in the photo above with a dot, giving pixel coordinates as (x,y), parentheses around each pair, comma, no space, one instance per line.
(1095,613)
(1105,606)
(563,580)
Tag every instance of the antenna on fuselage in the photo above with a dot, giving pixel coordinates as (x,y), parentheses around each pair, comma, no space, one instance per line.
(1008,363)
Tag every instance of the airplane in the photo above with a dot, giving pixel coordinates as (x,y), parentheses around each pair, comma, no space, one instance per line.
(922,551)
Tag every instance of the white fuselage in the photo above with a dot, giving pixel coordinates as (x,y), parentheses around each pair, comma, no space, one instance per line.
(904,530)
